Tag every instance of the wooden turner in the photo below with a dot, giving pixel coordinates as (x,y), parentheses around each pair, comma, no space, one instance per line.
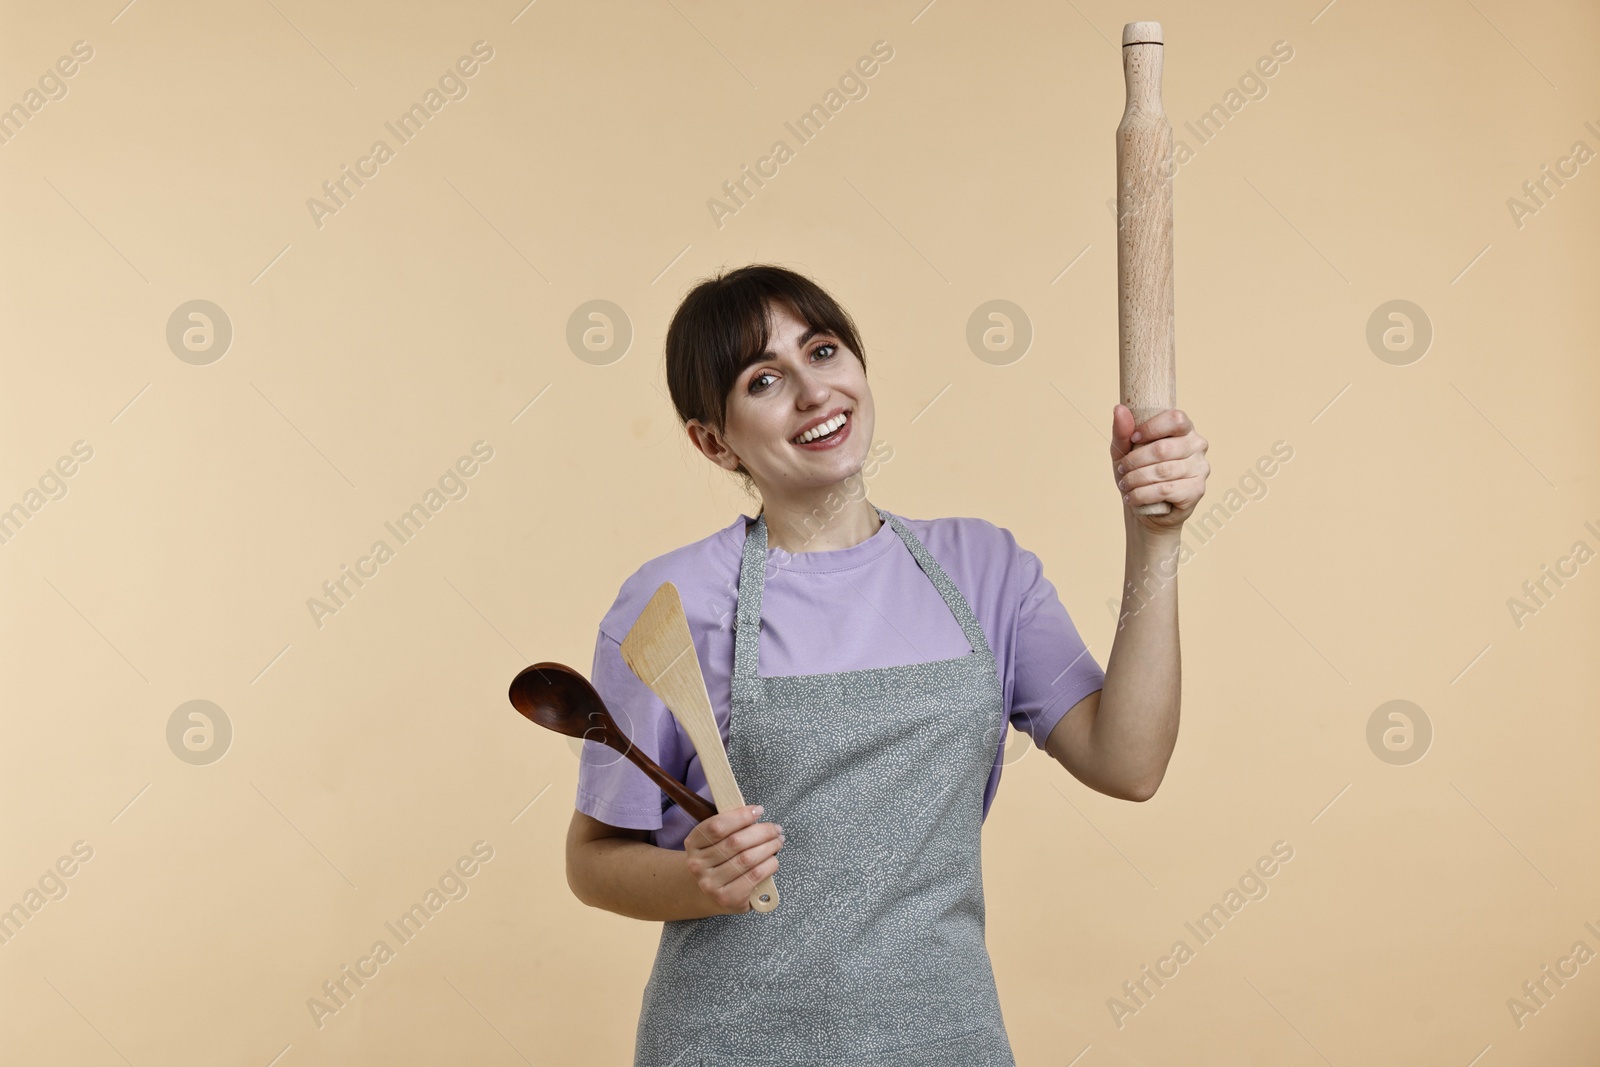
(660,651)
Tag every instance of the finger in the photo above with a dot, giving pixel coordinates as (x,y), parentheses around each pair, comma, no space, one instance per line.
(740,865)
(1165,448)
(751,836)
(1172,422)
(757,853)
(725,844)
(746,882)
(704,834)
(1121,426)
(1186,493)
(1147,494)
(1181,493)
(1160,470)
(1162,448)
(709,834)
(1151,452)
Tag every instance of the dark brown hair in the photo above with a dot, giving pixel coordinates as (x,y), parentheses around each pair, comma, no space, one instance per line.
(721,328)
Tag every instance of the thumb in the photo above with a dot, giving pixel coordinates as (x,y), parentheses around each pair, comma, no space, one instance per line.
(1122,427)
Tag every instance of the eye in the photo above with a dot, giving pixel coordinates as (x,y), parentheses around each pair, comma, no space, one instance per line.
(755,382)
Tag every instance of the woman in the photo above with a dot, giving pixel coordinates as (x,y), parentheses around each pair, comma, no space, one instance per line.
(863,668)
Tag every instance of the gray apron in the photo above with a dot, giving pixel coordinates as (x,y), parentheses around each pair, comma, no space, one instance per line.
(875,955)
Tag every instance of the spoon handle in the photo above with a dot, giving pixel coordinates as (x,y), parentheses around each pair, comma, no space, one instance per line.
(693,803)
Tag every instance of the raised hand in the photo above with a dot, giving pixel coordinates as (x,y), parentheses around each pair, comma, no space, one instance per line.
(1163,459)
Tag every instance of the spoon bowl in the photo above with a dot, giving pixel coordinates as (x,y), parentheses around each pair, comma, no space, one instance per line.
(558,698)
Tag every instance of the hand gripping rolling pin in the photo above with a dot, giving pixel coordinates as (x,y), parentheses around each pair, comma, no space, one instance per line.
(1144,236)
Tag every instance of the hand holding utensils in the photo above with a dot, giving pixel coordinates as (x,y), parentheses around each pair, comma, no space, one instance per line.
(660,650)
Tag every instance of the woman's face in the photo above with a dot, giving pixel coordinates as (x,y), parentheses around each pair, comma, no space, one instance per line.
(806,377)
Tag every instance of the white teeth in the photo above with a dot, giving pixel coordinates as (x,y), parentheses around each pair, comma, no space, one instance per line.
(823,429)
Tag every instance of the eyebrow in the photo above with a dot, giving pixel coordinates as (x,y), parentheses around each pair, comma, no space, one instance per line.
(808,335)
(759,357)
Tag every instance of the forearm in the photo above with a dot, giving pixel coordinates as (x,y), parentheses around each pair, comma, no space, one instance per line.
(639,880)
(1136,725)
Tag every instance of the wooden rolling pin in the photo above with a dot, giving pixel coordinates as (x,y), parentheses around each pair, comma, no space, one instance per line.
(1144,236)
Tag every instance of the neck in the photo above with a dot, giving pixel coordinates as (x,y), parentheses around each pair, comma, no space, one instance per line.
(817,522)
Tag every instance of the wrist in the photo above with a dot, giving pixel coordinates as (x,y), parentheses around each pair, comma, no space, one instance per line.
(1153,542)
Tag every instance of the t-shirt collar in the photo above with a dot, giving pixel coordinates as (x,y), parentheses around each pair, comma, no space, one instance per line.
(837,559)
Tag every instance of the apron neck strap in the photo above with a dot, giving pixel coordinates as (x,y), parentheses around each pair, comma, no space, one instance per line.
(752,579)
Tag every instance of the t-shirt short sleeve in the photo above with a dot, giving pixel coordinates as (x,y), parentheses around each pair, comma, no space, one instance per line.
(611,788)
(1053,667)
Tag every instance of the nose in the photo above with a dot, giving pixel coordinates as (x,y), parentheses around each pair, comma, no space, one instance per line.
(813,389)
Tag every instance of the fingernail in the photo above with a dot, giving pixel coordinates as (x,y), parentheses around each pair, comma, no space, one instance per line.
(1136,436)
(1119,469)
(757,810)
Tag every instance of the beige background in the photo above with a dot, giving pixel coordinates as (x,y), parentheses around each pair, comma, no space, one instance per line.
(432,311)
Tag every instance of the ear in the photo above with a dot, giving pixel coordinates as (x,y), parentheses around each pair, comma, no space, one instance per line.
(711,445)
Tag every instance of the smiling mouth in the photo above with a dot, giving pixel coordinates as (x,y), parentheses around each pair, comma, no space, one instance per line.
(838,423)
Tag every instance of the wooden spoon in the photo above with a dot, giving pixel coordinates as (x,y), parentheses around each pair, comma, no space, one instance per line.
(660,651)
(560,699)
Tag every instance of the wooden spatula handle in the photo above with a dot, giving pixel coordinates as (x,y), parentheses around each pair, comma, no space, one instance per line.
(1144,235)
(725,791)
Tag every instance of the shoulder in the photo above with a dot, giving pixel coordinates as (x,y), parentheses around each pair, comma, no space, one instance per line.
(982,558)
(705,573)
(963,540)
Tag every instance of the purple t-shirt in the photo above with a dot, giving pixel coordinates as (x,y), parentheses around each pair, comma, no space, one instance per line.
(869,605)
